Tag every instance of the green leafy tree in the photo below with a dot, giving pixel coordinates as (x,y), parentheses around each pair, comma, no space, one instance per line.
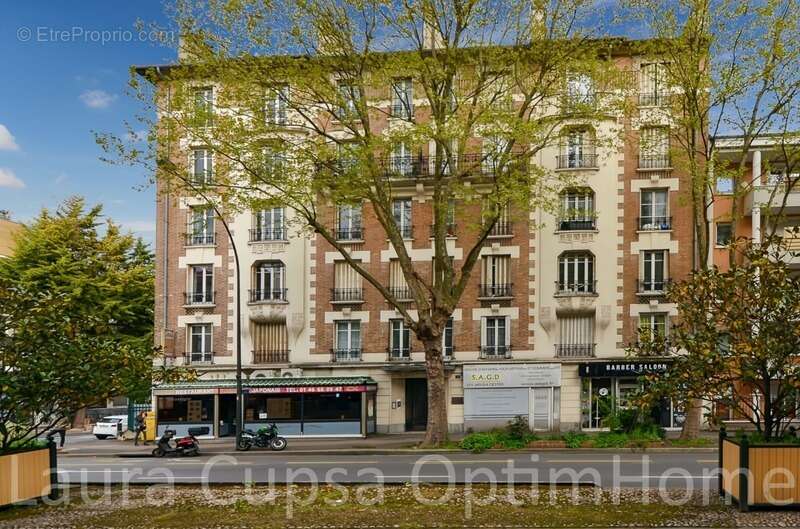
(737,343)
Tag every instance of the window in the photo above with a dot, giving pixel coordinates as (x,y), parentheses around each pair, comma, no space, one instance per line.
(577,210)
(576,336)
(270,342)
(400,160)
(580,88)
(654,148)
(201,289)
(577,149)
(277,101)
(269,282)
(274,160)
(401,209)
(495,274)
(447,339)
(348,341)
(653,84)
(576,273)
(347,283)
(724,185)
(347,157)
(201,229)
(495,337)
(724,233)
(653,210)
(200,343)
(653,325)
(402,99)
(204,106)
(494,148)
(503,226)
(349,223)
(350,95)
(202,166)
(399,339)
(269,225)
(654,271)
(397,281)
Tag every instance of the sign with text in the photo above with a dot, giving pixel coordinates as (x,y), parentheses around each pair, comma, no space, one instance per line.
(511,375)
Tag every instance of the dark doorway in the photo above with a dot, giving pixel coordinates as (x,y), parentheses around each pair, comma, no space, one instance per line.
(416,404)
(227,415)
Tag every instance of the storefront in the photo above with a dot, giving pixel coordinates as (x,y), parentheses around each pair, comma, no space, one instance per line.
(494,394)
(336,406)
(609,387)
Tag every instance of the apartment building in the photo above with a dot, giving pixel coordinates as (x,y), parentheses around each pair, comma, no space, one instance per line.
(541,330)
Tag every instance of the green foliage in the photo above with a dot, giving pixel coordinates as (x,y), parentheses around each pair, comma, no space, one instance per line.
(574,439)
(478,442)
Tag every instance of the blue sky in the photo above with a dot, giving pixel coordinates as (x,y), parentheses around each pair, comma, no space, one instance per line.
(56,89)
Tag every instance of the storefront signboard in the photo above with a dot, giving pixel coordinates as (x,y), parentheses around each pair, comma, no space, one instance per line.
(511,375)
(622,369)
(311,389)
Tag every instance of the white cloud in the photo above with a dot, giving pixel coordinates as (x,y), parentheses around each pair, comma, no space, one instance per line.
(139,226)
(7,141)
(97,98)
(9,179)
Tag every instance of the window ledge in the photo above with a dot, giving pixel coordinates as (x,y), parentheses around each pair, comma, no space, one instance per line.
(210,245)
(503,236)
(494,298)
(654,231)
(576,295)
(350,241)
(348,302)
(573,169)
(199,305)
(269,302)
(270,241)
(576,231)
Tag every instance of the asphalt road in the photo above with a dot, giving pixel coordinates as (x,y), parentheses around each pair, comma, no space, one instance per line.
(651,470)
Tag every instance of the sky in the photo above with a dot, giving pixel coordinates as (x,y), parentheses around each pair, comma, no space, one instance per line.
(60,82)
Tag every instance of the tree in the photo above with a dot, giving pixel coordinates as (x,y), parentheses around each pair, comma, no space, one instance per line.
(299,112)
(739,327)
(76,320)
(724,67)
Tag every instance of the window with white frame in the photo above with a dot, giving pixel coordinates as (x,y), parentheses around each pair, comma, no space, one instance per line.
(400,159)
(580,88)
(398,286)
(447,339)
(201,287)
(654,207)
(200,347)
(399,339)
(350,95)
(269,225)
(653,325)
(576,336)
(577,149)
(201,225)
(654,271)
(270,342)
(348,340)
(494,148)
(577,210)
(724,233)
(496,276)
(653,88)
(402,98)
(401,210)
(204,105)
(349,226)
(269,282)
(654,148)
(276,104)
(495,339)
(503,226)
(347,283)
(275,159)
(202,166)
(576,273)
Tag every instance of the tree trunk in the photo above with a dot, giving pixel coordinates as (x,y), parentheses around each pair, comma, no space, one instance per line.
(694,417)
(79,419)
(436,430)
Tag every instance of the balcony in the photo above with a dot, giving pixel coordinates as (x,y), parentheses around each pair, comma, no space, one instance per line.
(268,295)
(192,299)
(280,356)
(350,235)
(496,291)
(399,354)
(495,352)
(581,350)
(201,239)
(347,295)
(656,223)
(449,230)
(652,287)
(772,197)
(345,355)
(576,161)
(268,234)
(423,167)
(585,224)
(653,99)
(576,288)
(401,293)
(199,357)
(654,162)
(502,228)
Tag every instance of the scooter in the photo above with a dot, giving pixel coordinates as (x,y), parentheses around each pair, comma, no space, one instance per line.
(265,437)
(185,446)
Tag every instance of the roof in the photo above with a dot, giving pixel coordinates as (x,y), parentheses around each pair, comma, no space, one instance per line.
(271,383)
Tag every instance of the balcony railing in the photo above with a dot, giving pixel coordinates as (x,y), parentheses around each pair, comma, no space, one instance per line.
(576,288)
(576,161)
(502,228)
(493,352)
(652,287)
(352,234)
(200,239)
(449,230)
(273,294)
(401,293)
(346,355)
(496,290)
(571,350)
(399,354)
(198,298)
(655,223)
(200,357)
(347,295)
(577,224)
(279,356)
(649,161)
(268,234)
(653,99)
(471,164)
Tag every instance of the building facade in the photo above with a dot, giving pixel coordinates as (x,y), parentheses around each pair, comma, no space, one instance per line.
(540,332)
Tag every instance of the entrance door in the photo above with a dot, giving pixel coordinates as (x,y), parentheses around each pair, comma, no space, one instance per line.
(602,402)
(541,407)
(416,404)
(227,415)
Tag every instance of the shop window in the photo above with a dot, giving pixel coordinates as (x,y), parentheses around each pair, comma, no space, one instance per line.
(272,408)
(178,409)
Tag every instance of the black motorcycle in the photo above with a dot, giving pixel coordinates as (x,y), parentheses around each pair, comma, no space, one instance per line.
(266,437)
(185,446)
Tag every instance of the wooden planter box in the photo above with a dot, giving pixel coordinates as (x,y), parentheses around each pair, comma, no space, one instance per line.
(759,475)
(27,475)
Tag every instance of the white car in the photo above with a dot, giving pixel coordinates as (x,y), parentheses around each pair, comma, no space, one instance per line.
(111,426)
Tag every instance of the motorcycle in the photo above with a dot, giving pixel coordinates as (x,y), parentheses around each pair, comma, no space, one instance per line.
(185,446)
(263,438)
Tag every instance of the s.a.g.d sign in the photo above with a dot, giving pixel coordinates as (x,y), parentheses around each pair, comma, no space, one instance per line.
(511,375)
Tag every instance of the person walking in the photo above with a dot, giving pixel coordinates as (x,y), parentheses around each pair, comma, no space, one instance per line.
(140,428)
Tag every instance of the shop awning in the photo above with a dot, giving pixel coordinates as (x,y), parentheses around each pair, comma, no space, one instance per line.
(270,385)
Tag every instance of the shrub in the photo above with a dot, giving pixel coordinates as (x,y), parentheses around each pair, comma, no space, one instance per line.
(574,439)
(518,428)
(611,440)
(478,442)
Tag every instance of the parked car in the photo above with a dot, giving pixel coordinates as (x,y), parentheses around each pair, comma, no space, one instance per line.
(110,426)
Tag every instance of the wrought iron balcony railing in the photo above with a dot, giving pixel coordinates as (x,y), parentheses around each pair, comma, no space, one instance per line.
(496,290)
(654,223)
(571,350)
(493,352)
(199,298)
(577,224)
(576,288)
(347,295)
(268,234)
(345,355)
(270,294)
(271,356)
(577,161)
